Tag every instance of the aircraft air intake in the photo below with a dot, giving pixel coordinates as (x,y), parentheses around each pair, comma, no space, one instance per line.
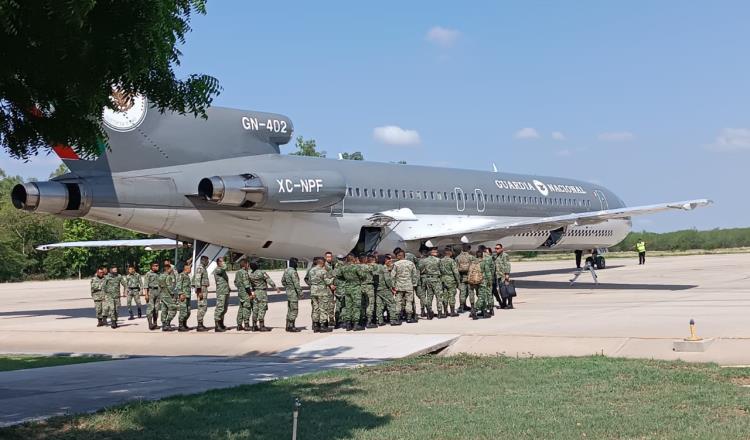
(284,191)
(52,197)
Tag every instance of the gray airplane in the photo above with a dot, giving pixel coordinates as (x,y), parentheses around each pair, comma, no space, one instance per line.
(222,181)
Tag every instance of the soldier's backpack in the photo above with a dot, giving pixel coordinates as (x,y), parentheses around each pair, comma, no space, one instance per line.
(464,261)
(476,276)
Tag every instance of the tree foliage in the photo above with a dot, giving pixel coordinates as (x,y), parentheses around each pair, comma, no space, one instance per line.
(687,239)
(307,148)
(59,62)
(353,156)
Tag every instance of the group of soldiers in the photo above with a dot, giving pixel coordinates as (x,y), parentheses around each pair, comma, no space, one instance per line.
(352,292)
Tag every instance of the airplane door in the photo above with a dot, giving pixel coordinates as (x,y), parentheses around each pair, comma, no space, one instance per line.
(602,199)
(480,200)
(460,199)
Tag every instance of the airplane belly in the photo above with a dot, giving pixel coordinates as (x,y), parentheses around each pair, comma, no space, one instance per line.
(600,235)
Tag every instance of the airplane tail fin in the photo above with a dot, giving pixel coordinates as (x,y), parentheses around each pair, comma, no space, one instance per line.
(141,137)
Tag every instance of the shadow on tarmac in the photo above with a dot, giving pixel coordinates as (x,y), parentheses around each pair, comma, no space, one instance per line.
(588,284)
(88,312)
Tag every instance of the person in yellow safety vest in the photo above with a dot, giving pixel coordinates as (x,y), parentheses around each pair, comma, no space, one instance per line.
(641,248)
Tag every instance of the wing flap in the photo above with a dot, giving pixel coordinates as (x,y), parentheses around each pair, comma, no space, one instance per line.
(151,243)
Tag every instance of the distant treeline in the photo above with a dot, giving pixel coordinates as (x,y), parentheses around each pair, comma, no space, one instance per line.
(687,240)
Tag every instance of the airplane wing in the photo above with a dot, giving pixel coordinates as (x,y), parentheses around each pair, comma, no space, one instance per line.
(152,244)
(482,229)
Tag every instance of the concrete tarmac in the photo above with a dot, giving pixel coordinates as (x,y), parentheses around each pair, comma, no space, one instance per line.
(635,311)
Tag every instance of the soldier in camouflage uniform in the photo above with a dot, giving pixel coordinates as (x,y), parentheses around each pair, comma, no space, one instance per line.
(260,281)
(167,287)
(405,278)
(337,303)
(97,294)
(133,285)
(351,275)
(321,286)
(450,278)
(221,279)
(112,295)
(290,281)
(432,284)
(200,283)
(463,261)
(367,285)
(183,298)
(246,295)
(502,272)
(385,291)
(485,289)
(152,295)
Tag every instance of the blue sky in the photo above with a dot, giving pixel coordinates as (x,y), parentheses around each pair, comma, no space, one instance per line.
(649,99)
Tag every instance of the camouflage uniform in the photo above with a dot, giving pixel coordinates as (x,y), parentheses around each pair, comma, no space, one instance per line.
(368,290)
(502,267)
(432,285)
(151,282)
(167,285)
(419,288)
(244,290)
(336,305)
(464,287)
(340,294)
(112,296)
(132,283)
(183,288)
(405,277)
(260,281)
(451,279)
(221,280)
(200,281)
(320,282)
(385,299)
(485,289)
(98,295)
(353,277)
(290,281)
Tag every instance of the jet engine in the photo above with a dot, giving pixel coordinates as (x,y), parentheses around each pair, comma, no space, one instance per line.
(284,191)
(52,197)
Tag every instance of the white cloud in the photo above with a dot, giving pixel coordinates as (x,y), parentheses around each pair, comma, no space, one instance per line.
(558,136)
(731,139)
(395,135)
(564,152)
(527,133)
(443,37)
(616,136)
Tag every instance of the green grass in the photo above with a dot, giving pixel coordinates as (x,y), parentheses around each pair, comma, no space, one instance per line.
(446,398)
(22,362)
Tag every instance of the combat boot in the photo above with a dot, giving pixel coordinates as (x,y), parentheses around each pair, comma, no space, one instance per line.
(492,311)
(396,322)
(411,319)
(262,327)
(473,314)
(323,328)
(114,323)
(372,324)
(182,327)
(240,327)
(316,327)
(359,327)
(104,321)
(430,315)
(218,328)
(453,311)
(255,327)
(201,327)
(140,315)
(167,328)
(293,327)
(223,327)
(422,313)
(99,322)
(130,312)
(349,326)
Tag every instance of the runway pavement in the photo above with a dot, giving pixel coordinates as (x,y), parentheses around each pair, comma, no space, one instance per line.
(635,311)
